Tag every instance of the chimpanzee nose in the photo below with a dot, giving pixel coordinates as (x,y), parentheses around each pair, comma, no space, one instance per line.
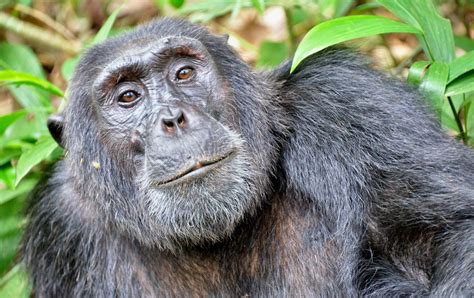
(172,120)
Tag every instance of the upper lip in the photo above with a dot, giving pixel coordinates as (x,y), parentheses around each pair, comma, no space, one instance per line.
(194,167)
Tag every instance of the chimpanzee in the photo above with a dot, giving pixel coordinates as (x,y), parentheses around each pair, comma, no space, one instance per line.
(186,173)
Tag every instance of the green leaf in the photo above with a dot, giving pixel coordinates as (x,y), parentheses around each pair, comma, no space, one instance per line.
(334,8)
(464,43)
(434,84)
(342,7)
(15,77)
(176,3)
(105,29)
(437,35)
(343,29)
(7,154)
(8,119)
(462,84)
(10,225)
(270,54)
(417,72)
(23,188)
(29,63)
(469,118)
(15,283)
(41,150)
(366,6)
(25,95)
(461,65)
(259,5)
(67,69)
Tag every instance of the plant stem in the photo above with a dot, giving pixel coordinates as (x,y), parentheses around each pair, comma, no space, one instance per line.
(458,121)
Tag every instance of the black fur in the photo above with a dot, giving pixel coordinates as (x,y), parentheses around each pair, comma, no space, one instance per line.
(357,191)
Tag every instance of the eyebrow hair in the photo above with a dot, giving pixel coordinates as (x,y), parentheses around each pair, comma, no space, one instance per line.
(137,64)
(126,68)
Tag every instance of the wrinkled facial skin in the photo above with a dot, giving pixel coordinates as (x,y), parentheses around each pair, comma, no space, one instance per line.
(165,118)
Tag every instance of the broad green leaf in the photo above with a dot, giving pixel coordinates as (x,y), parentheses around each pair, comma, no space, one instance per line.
(259,5)
(437,35)
(8,119)
(464,43)
(7,154)
(105,29)
(461,65)
(10,224)
(463,84)
(270,54)
(29,63)
(343,29)
(15,77)
(23,188)
(27,96)
(176,3)
(417,72)
(15,283)
(8,249)
(24,128)
(434,84)
(41,150)
(7,178)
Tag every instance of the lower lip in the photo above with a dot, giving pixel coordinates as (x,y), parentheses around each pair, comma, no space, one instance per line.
(195,174)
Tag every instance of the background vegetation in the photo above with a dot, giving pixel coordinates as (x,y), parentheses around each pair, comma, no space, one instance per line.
(427,42)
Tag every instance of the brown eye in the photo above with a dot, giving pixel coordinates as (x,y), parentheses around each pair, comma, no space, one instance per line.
(184,73)
(128,97)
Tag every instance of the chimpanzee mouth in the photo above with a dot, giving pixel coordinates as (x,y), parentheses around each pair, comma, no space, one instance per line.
(198,169)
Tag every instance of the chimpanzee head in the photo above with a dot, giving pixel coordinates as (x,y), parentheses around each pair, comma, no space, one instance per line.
(168,135)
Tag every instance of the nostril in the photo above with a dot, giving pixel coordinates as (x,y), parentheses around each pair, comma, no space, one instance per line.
(168,123)
(181,121)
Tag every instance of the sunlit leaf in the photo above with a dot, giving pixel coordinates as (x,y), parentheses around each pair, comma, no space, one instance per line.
(434,83)
(461,65)
(464,43)
(462,84)
(15,77)
(24,187)
(27,96)
(7,120)
(343,29)
(15,283)
(437,35)
(41,150)
(417,72)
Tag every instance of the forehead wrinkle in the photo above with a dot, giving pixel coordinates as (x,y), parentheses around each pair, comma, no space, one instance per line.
(119,68)
(138,55)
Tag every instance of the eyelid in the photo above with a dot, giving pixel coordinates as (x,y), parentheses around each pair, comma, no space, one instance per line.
(178,69)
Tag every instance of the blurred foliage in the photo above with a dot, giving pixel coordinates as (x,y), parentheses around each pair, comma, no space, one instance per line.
(42,42)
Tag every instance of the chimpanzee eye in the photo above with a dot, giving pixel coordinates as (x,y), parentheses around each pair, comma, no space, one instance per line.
(128,97)
(184,73)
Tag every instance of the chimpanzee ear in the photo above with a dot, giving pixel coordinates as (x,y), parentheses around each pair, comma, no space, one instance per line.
(55,127)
